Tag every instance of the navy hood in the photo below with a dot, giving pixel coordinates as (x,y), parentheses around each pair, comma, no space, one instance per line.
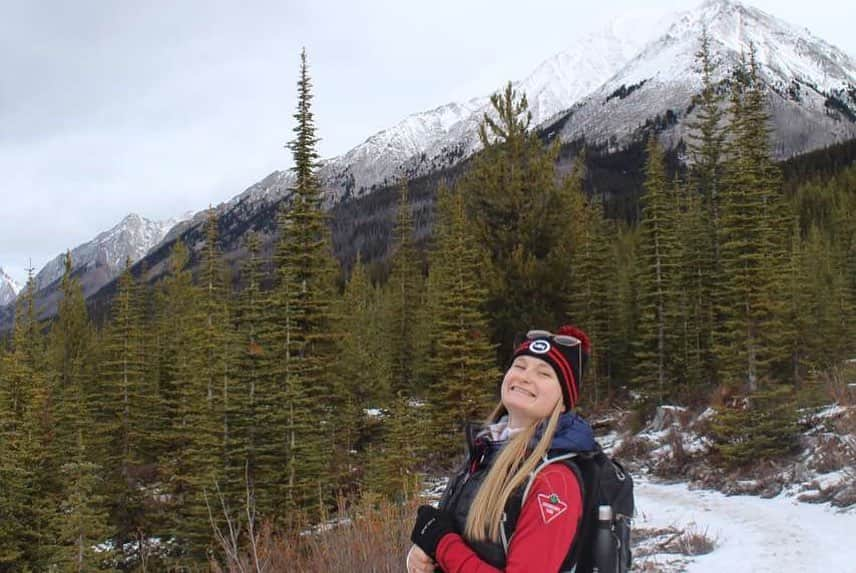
(573,434)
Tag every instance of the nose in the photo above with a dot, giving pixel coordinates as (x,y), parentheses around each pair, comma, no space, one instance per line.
(525,375)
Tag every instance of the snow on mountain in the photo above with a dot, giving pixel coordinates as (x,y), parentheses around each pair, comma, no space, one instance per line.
(612,82)
(130,239)
(9,288)
(803,73)
(426,141)
(431,140)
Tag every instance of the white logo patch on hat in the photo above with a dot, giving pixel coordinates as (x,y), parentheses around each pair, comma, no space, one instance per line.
(540,347)
(551,506)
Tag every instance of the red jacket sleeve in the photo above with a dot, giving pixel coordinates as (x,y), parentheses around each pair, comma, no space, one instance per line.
(545,529)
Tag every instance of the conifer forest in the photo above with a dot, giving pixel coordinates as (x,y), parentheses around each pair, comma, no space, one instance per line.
(221,399)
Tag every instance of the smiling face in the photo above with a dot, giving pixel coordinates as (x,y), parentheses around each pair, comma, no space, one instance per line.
(530,390)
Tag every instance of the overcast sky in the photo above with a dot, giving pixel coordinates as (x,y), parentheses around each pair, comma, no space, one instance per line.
(159,107)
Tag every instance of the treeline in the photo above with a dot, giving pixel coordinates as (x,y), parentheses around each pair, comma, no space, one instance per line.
(124,446)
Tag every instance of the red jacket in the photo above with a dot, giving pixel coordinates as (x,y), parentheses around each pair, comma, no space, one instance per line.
(545,529)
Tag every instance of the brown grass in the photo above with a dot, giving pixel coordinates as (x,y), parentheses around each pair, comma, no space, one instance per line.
(633,448)
(372,536)
(840,383)
(695,541)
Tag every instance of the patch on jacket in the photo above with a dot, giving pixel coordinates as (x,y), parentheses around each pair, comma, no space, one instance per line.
(551,506)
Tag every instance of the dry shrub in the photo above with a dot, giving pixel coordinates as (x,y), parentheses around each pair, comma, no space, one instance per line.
(840,383)
(633,448)
(695,541)
(372,536)
(676,462)
(689,541)
(831,454)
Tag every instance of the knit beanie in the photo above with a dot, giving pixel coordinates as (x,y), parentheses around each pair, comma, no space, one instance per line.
(569,362)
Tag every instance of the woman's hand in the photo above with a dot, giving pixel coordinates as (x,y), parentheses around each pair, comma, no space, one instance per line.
(418,561)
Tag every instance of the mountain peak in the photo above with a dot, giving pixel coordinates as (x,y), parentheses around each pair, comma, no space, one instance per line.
(809,83)
(131,238)
(9,288)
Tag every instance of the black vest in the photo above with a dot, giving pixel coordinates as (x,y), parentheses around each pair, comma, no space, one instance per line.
(462,490)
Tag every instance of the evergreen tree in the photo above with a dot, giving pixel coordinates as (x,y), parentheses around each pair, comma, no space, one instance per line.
(696,310)
(210,380)
(393,466)
(123,418)
(707,141)
(405,293)
(14,473)
(626,252)
(464,364)
(31,402)
(84,523)
(363,371)
(514,204)
(591,289)
(81,518)
(306,273)
(752,252)
(178,401)
(254,399)
(702,266)
(655,343)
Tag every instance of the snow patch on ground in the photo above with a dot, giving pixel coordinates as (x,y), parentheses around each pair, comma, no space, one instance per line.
(749,533)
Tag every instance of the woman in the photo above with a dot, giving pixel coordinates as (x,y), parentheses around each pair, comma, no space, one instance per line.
(480,525)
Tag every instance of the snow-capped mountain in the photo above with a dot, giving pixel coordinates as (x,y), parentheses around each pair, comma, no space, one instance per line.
(608,86)
(130,239)
(9,288)
(432,140)
(427,141)
(811,85)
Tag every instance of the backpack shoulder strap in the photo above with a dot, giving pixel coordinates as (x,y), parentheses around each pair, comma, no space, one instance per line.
(515,502)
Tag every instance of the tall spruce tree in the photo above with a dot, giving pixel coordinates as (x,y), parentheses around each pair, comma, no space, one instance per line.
(33,407)
(626,251)
(514,203)
(754,228)
(125,413)
(464,364)
(81,520)
(706,144)
(205,390)
(695,307)
(255,397)
(15,472)
(591,288)
(752,344)
(405,289)
(178,405)
(363,372)
(306,272)
(655,342)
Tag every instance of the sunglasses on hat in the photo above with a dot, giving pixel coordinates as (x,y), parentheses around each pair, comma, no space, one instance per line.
(563,339)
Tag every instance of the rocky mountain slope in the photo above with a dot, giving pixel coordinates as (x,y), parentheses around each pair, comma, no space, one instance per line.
(608,90)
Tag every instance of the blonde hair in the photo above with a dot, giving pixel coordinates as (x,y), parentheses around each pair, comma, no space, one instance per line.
(509,471)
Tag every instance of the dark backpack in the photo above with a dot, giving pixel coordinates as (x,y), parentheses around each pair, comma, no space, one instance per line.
(603,482)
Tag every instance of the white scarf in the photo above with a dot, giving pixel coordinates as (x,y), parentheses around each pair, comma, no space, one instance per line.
(500,432)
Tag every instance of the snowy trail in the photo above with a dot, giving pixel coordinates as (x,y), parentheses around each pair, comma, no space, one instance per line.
(753,534)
